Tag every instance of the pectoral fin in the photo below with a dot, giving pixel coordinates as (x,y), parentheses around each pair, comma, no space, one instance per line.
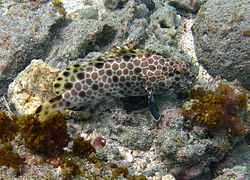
(153,109)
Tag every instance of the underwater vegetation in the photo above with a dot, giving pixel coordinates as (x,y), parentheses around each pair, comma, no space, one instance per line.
(48,137)
(82,148)
(57,3)
(8,126)
(8,129)
(120,171)
(220,109)
(138,177)
(8,157)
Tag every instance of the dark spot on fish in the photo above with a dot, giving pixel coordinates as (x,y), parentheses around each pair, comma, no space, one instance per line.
(80,75)
(170,74)
(56,85)
(126,57)
(128,84)
(66,74)
(38,110)
(176,71)
(72,78)
(150,4)
(115,79)
(89,81)
(68,85)
(95,87)
(77,65)
(82,94)
(137,70)
(99,65)
(129,92)
(58,97)
(120,85)
(108,94)
(109,72)
(67,104)
(52,100)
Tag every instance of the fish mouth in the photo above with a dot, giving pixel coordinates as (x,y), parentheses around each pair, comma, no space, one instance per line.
(192,80)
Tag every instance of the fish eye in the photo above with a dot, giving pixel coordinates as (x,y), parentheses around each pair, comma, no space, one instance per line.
(178,70)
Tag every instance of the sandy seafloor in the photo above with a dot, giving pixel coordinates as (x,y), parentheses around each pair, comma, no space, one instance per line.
(143,153)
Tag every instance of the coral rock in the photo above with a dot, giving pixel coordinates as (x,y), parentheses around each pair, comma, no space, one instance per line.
(32,87)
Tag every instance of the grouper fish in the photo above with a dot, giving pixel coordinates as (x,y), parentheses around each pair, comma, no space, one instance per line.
(120,72)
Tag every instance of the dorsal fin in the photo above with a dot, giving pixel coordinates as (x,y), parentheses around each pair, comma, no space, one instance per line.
(69,76)
(64,77)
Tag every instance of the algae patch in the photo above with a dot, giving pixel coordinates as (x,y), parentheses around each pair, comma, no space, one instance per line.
(8,157)
(48,137)
(222,108)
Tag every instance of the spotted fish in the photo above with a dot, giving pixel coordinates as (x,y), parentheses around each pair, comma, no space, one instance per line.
(119,73)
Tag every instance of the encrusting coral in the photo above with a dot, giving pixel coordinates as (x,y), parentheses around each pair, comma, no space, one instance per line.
(220,108)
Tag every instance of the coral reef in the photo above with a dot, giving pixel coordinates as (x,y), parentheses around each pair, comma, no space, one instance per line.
(48,137)
(220,108)
(8,157)
(186,149)
(82,148)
